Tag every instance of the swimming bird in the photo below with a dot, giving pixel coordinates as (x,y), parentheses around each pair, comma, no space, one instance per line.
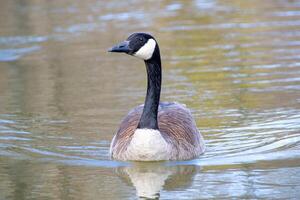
(154,131)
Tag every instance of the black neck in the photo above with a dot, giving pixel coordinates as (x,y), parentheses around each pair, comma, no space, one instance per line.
(149,115)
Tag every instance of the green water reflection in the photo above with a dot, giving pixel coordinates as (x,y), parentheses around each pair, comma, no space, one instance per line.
(235,64)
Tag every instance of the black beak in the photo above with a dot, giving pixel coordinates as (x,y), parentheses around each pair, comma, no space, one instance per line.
(122,47)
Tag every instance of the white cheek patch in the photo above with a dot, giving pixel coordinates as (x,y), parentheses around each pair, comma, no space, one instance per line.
(146,51)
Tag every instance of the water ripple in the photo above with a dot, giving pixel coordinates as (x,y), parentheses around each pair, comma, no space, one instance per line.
(14,54)
(21,40)
(294,23)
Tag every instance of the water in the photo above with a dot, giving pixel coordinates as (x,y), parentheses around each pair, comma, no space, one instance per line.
(235,64)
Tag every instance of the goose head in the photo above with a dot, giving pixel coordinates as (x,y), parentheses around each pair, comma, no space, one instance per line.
(140,45)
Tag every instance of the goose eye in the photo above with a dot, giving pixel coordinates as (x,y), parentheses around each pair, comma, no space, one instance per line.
(141,39)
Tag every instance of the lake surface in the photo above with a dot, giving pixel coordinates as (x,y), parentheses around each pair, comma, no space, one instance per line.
(235,64)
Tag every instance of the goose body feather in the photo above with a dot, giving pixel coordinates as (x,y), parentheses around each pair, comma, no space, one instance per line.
(176,139)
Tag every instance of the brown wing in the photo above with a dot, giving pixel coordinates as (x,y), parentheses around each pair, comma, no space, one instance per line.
(178,127)
(123,136)
(176,124)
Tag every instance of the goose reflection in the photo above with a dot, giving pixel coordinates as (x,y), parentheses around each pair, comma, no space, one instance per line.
(150,178)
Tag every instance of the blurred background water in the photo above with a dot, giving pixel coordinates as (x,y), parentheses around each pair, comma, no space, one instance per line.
(235,64)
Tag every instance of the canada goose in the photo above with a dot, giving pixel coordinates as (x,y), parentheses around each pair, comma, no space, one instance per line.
(156,130)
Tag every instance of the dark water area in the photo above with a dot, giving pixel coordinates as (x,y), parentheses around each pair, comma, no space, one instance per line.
(235,64)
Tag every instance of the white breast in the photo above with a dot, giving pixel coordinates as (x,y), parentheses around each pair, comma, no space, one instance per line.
(148,145)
